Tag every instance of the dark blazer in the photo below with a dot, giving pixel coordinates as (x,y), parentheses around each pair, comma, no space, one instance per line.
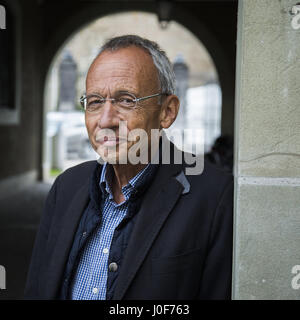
(180,247)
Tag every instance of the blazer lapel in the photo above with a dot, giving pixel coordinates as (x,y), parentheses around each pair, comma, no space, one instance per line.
(65,238)
(159,200)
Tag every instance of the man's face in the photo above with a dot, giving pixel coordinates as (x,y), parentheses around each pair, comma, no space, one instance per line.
(130,70)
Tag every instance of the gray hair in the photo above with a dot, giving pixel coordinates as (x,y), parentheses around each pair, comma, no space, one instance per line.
(163,65)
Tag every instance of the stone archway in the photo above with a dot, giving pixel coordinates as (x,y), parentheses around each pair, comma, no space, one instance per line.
(225,65)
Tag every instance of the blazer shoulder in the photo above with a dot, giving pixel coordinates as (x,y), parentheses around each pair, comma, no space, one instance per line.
(79,173)
(213,181)
(213,170)
(210,172)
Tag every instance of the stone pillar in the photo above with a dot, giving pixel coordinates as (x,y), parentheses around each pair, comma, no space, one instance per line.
(267,153)
(67,83)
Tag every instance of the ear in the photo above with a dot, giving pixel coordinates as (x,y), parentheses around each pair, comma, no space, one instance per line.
(169,111)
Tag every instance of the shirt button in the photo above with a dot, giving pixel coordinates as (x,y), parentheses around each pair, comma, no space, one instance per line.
(105,250)
(84,234)
(113,267)
(95,290)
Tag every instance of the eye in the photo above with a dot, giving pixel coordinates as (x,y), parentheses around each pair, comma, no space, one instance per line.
(94,103)
(126,101)
(95,100)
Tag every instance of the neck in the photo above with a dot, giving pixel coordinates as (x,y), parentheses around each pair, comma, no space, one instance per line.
(122,174)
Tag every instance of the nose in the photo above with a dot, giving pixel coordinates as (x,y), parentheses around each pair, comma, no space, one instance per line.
(108,117)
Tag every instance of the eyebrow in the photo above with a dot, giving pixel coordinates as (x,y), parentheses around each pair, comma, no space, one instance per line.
(116,92)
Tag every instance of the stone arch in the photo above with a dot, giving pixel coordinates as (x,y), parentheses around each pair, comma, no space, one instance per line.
(94,11)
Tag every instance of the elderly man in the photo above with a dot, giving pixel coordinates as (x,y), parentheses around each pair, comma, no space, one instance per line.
(133,229)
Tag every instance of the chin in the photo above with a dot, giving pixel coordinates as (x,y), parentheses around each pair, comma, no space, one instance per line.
(113,156)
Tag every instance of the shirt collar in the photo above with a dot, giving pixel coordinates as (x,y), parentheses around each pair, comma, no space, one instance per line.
(134,185)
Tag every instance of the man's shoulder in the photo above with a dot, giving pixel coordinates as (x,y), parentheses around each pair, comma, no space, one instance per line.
(212,178)
(212,170)
(202,170)
(78,173)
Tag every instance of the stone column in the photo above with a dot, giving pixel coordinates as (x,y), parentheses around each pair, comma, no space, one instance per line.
(267,152)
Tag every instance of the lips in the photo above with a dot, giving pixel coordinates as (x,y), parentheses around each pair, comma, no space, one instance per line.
(106,138)
(110,141)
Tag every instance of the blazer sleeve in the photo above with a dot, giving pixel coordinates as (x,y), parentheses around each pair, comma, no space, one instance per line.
(39,248)
(217,273)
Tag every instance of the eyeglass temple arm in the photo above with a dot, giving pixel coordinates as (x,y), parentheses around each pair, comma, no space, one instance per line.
(154,95)
(82,98)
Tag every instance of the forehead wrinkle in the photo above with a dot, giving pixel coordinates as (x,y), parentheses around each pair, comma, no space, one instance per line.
(105,71)
(124,71)
(111,87)
(111,65)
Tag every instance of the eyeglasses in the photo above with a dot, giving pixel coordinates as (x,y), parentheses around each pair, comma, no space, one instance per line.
(92,103)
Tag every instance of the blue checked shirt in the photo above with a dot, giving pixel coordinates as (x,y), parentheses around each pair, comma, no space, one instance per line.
(90,277)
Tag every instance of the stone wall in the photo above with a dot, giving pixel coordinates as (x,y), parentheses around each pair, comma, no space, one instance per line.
(20,139)
(267,155)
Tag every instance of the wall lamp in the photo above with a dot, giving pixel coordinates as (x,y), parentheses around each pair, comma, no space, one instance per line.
(164,10)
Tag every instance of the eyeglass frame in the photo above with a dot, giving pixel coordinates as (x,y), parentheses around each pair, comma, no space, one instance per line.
(84,96)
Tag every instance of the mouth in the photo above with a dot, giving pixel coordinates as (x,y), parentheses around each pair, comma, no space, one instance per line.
(110,141)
